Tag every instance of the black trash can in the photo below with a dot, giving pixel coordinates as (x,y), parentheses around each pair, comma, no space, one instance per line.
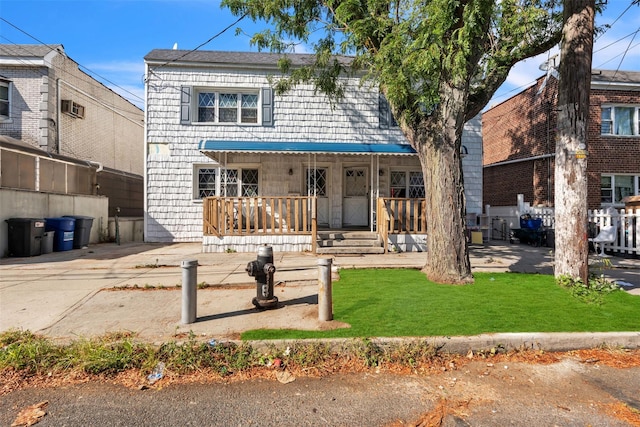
(25,236)
(82,231)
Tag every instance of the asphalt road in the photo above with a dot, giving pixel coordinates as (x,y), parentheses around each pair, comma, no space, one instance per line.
(571,392)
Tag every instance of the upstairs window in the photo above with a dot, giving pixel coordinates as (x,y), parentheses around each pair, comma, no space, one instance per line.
(385,116)
(221,106)
(72,108)
(623,120)
(5,95)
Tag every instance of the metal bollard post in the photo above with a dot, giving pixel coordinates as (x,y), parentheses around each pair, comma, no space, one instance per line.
(325,303)
(189,288)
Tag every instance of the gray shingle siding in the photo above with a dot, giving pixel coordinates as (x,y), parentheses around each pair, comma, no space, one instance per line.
(299,115)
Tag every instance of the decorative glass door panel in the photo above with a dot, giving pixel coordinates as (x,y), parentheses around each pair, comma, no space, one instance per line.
(355,203)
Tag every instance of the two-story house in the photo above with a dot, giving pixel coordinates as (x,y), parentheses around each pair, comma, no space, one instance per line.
(233,164)
(519,143)
(65,133)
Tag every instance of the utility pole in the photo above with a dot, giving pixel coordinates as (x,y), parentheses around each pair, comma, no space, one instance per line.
(574,87)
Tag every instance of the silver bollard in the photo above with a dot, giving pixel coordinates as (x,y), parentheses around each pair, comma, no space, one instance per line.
(325,303)
(189,288)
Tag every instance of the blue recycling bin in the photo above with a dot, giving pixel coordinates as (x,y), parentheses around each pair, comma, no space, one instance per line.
(63,228)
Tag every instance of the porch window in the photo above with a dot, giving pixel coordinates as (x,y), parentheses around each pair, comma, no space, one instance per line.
(5,100)
(620,120)
(231,182)
(243,182)
(405,183)
(316,182)
(398,184)
(249,183)
(614,188)
(416,185)
(206,182)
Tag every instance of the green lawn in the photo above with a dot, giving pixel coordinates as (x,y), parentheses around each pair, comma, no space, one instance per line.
(402,302)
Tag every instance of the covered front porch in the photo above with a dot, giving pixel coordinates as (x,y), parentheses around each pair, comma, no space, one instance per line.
(292,195)
(290,224)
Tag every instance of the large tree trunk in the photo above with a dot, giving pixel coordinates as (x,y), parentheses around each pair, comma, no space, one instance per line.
(437,141)
(572,250)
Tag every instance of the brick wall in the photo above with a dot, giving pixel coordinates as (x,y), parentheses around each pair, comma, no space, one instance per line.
(112,130)
(111,133)
(524,126)
(26,101)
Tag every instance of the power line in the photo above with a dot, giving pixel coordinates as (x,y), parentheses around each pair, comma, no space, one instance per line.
(203,44)
(609,26)
(89,71)
(91,81)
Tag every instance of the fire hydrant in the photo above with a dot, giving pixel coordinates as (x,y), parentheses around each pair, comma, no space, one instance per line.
(263,270)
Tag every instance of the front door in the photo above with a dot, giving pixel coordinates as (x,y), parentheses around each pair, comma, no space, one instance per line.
(355,203)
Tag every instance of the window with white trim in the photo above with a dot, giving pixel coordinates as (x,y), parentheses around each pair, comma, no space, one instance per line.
(212,181)
(407,184)
(72,108)
(614,188)
(621,120)
(227,107)
(207,182)
(5,100)
(203,105)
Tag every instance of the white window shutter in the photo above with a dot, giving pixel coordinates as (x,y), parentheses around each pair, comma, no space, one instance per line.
(185,104)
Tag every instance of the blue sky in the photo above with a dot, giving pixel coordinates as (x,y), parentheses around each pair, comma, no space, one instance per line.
(110,37)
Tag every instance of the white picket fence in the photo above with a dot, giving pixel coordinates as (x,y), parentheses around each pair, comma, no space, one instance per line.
(626,221)
(628,228)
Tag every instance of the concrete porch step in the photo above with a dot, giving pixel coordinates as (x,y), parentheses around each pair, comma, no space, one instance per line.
(349,250)
(347,235)
(349,242)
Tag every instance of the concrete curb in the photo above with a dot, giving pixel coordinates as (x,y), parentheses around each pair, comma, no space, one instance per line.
(544,341)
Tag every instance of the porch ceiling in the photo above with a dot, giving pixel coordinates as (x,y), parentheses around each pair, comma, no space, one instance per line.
(211,147)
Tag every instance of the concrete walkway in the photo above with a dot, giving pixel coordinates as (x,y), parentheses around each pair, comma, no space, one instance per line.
(79,293)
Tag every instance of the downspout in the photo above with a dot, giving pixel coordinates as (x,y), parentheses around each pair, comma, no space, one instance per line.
(145,179)
(99,168)
(57,115)
(98,165)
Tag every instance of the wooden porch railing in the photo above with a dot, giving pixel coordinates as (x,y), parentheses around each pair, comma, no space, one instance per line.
(228,216)
(398,215)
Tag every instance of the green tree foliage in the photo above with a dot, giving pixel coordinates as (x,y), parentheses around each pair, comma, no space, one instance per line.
(438,62)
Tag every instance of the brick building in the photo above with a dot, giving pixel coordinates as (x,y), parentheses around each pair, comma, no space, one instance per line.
(519,143)
(47,102)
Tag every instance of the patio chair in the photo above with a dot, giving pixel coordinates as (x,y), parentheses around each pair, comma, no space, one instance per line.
(607,234)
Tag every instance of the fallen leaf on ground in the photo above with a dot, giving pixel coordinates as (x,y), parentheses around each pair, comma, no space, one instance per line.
(285,377)
(31,415)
